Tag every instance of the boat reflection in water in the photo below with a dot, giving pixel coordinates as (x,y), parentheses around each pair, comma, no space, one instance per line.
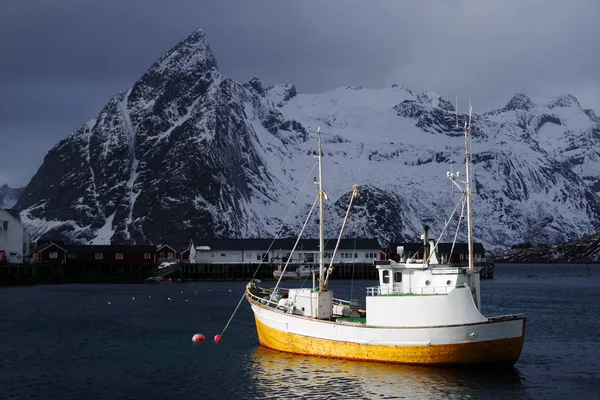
(283,375)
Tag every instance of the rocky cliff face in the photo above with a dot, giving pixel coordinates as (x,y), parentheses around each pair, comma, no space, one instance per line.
(189,153)
(584,250)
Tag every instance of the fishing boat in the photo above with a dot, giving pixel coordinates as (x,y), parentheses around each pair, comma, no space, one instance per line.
(421,312)
(301,271)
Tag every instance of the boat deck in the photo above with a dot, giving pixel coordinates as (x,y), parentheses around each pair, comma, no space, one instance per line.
(351,320)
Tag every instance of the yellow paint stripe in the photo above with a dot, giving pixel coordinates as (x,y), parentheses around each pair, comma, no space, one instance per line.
(494,351)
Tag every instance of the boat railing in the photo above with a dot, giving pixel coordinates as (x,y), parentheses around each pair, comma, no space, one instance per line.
(342,301)
(265,300)
(444,271)
(400,291)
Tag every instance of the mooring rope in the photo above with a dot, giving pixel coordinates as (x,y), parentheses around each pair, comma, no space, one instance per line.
(270,246)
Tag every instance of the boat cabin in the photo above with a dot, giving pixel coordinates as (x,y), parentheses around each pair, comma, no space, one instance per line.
(412,294)
(414,279)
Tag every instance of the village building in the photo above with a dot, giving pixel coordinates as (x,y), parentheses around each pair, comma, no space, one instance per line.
(255,251)
(165,253)
(14,239)
(58,253)
(50,253)
(189,254)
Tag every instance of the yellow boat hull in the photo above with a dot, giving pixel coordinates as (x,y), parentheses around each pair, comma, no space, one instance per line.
(496,351)
(500,351)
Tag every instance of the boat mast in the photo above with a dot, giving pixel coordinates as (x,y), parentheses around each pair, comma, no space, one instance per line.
(469,200)
(321,215)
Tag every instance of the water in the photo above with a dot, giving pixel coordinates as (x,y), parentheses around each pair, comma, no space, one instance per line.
(68,342)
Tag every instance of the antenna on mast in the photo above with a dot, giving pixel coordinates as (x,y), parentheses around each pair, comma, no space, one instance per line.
(456,111)
(470,114)
(469,149)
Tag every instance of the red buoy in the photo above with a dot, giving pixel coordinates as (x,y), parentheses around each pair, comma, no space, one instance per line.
(198,337)
(218,338)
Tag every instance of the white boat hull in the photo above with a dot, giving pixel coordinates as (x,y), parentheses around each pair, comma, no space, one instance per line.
(291,275)
(496,341)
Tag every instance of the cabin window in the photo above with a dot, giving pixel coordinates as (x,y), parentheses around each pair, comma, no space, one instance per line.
(262,257)
(397,276)
(223,254)
(386,276)
(146,256)
(119,256)
(53,254)
(355,255)
(170,255)
(71,256)
(99,256)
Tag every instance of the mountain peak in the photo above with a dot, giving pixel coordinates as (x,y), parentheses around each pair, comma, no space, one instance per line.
(256,84)
(9,196)
(434,100)
(279,94)
(566,100)
(188,64)
(520,101)
(191,54)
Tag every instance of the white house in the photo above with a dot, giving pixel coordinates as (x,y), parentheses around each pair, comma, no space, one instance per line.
(14,240)
(254,251)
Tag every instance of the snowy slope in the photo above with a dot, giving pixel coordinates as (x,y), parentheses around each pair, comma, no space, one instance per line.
(402,143)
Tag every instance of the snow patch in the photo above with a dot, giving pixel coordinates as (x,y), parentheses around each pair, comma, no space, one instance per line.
(106,232)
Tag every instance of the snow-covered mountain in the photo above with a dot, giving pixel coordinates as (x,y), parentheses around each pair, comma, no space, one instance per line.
(189,153)
(9,196)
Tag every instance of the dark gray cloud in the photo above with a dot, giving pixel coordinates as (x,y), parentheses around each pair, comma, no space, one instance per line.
(63,59)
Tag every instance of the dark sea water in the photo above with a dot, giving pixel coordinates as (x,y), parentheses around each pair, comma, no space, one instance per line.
(68,342)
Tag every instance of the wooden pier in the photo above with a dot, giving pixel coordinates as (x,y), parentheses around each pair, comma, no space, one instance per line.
(32,274)
(264,272)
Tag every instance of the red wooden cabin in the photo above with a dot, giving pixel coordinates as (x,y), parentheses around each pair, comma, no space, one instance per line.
(111,254)
(164,252)
(51,253)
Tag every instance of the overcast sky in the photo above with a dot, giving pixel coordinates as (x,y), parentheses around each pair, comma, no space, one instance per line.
(62,60)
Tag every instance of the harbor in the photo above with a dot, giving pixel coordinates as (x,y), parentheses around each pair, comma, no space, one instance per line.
(122,347)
